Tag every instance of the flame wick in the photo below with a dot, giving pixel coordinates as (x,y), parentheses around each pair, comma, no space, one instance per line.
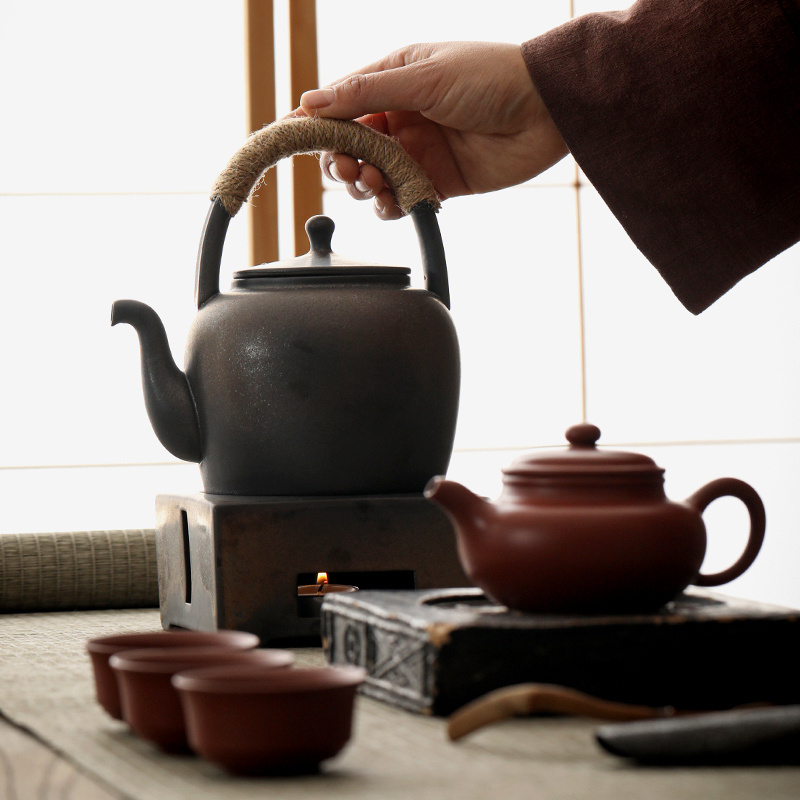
(322,579)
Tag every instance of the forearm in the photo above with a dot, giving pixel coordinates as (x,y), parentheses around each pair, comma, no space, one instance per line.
(686,118)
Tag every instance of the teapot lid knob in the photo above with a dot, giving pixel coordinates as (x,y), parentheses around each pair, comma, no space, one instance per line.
(320,233)
(583,435)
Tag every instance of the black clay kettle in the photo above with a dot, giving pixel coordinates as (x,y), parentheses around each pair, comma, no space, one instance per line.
(315,376)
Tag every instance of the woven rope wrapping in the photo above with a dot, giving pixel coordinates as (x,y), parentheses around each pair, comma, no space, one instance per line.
(88,569)
(311,135)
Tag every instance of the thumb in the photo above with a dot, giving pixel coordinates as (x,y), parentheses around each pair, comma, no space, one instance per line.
(366,93)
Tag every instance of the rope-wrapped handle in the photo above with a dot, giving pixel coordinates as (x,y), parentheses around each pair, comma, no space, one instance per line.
(414,192)
(288,137)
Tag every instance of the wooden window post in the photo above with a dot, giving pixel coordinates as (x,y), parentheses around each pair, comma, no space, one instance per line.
(260,93)
(306,178)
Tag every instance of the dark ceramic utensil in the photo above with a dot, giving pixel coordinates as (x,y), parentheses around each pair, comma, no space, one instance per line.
(741,736)
(150,704)
(286,721)
(314,376)
(585,530)
(102,648)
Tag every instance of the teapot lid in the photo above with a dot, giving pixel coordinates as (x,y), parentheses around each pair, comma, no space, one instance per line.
(320,260)
(582,458)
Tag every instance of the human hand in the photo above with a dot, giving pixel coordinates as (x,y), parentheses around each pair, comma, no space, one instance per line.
(467,112)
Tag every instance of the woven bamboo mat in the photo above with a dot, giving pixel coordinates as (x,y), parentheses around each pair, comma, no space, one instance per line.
(80,569)
(46,687)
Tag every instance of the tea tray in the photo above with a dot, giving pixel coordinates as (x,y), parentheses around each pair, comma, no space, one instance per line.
(433,651)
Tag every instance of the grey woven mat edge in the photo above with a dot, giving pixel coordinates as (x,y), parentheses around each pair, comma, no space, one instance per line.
(78,570)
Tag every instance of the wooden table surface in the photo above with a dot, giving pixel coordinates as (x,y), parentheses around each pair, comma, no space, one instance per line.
(30,769)
(78,753)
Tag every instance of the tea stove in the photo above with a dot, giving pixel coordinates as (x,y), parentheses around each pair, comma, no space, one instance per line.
(228,562)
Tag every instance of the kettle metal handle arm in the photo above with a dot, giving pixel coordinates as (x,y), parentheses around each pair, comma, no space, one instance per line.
(414,192)
(209,257)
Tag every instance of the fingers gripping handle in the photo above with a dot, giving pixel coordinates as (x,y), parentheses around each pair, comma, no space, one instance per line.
(414,192)
(731,487)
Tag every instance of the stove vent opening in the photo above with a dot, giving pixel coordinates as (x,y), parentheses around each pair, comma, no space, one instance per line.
(187,558)
(377,579)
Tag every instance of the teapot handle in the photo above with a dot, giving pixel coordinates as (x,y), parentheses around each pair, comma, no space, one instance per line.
(724,487)
(414,192)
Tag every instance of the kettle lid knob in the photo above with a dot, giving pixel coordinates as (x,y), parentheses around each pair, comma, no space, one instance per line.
(320,233)
(583,435)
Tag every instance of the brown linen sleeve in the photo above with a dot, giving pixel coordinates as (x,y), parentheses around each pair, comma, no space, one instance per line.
(685,116)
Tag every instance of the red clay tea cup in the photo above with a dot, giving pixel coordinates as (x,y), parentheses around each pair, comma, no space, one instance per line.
(150,704)
(250,721)
(102,648)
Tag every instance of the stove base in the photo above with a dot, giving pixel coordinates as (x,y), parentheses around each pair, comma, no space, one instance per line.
(236,562)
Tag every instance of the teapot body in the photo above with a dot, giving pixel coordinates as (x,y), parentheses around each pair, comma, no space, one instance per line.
(323,387)
(606,551)
(585,530)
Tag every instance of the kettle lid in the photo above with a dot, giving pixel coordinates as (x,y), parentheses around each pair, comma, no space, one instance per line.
(582,457)
(320,260)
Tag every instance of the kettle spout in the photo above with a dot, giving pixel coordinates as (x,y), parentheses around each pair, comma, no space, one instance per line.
(468,511)
(167,395)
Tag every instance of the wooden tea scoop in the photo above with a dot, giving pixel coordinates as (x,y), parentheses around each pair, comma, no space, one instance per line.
(531,698)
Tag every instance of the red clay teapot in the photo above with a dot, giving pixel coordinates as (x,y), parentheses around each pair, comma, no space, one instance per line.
(314,376)
(586,530)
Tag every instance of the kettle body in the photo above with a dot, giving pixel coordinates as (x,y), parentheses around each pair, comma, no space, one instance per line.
(324,385)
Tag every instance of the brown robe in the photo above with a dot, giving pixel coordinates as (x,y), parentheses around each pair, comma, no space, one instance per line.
(685,116)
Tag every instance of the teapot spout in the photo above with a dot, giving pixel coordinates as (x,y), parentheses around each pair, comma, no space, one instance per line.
(467,510)
(167,395)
